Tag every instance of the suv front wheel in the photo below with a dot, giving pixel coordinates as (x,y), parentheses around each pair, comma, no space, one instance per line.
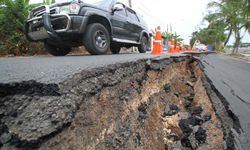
(57,51)
(96,39)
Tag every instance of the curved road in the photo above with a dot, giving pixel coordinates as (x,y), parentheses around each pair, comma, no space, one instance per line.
(231,77)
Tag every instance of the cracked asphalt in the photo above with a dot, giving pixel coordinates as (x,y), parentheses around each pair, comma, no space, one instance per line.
(48,69)
(231,77)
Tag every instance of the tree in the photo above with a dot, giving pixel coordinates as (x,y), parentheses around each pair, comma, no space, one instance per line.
(13,13)
(214,34)
(48,2)
(176,37)
(247,13)
(234,14)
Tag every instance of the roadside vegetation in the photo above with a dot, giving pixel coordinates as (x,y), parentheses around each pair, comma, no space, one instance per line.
(12,40)
(228,18)
(12,16)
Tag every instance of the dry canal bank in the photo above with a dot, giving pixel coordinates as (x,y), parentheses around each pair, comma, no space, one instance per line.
(156,103)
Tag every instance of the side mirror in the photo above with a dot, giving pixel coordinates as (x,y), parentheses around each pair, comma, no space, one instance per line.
(117,7)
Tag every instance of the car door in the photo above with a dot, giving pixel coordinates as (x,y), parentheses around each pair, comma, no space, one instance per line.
(133,25)
(119,21)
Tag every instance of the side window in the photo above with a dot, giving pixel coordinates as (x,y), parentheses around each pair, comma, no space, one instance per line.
(132,15)
(120,10)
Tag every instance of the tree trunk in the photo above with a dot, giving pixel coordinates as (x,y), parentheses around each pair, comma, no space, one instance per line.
(228,37)
(237,41)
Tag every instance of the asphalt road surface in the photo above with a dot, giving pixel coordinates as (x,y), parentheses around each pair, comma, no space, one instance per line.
(231,77)
(48,69)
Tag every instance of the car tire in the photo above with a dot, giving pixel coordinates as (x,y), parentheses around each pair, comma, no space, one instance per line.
(143,47)
(115,48)
(57,51)
(96,39)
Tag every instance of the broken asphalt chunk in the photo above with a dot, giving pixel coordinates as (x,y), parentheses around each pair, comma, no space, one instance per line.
(196,110)
(170,110)
(201,135)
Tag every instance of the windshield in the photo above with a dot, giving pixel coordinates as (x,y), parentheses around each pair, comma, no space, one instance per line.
(102,3)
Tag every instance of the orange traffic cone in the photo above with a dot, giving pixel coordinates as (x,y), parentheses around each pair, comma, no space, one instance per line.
(157,49)
(178,47)
(183,47)
(171,49)
(189,48)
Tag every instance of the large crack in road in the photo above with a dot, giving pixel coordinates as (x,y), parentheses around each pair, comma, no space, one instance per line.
(157,103)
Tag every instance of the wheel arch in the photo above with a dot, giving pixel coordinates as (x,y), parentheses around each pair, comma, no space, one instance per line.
(144,33)
(95,18)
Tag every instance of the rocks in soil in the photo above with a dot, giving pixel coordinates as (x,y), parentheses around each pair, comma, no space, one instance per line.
(185,141)
(196,110)
(5,138)
(167,88)
(124,132)
(207,117)
(188,100)
(187,124)
(142,111)
(1,128)
(177,94)
(175,146)
(166,147)
(126,96)
(201,135)
(184,124)
(187,104)
(170,110)
(173,137)
(193,134)
(137,139)
(192,141)
(190,83)
(195,120)
(6,147)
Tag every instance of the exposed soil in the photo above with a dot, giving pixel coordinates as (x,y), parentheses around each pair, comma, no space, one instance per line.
(158,104)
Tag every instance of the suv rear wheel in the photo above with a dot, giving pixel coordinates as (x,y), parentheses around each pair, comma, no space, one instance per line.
(57,51)
(96,39)
(143,47)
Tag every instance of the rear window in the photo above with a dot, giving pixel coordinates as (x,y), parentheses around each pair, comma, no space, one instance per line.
(141,18)
(132,15)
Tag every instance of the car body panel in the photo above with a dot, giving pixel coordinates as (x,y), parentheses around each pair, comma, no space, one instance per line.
(123,28)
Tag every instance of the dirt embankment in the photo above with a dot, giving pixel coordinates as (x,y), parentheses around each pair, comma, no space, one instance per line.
(148,104)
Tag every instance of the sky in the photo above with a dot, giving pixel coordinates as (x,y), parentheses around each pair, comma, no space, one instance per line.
(185,16)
